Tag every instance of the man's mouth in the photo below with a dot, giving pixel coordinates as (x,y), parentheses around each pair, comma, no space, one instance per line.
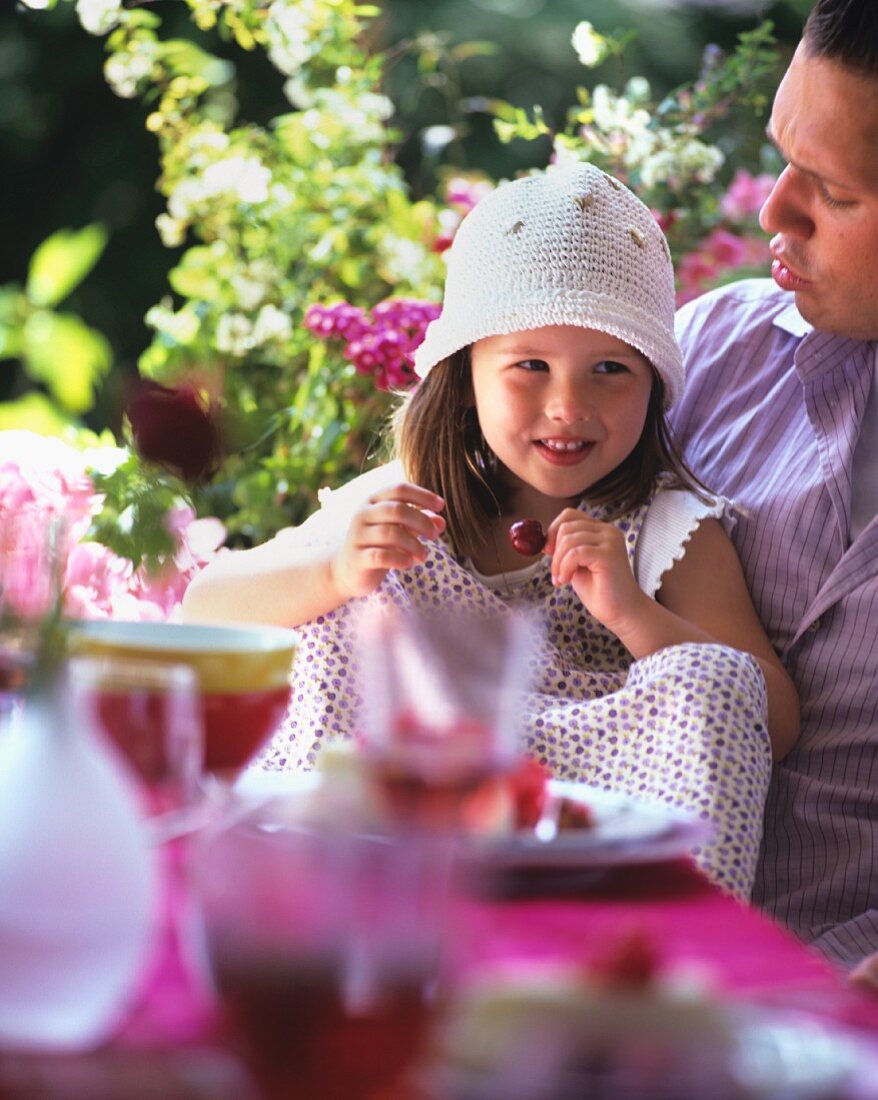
(786,277)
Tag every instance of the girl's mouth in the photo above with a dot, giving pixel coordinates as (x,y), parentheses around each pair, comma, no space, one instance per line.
(564,452)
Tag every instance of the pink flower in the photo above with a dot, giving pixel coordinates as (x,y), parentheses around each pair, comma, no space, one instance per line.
(665,219)
(94,577)
(746,195)
(718,254)
(466,193)
(380,345)
(43,479)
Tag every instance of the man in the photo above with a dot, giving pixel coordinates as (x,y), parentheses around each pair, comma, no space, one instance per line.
(781,414)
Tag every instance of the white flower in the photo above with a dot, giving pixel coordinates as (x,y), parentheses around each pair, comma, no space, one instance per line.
(171,230)
(248,292)
(404,261)
(182,327)
(271,324)
(281,195)
(204,145)
(125,71)
(679,160)
(98,16)
(637,90)
(298,93)
(435,138)
(591,47)
(288,30)
(614,113)
(185,199)
(234,334)
(246,177)
(564,152)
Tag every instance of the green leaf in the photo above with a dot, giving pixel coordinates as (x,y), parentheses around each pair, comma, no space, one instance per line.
(33,412)
(14,308)
(465,50)
(131,521)
(195,275)
(186,59)
(67,356)
(62,261)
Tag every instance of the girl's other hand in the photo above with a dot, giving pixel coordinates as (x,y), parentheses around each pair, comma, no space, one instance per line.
(592,557)
(388,532)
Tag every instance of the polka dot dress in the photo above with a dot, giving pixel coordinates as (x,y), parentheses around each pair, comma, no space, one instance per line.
(684,726)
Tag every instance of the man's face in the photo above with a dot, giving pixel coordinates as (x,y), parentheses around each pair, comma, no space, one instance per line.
(823,210)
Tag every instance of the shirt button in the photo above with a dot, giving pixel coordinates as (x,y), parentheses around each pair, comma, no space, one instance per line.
(814,627)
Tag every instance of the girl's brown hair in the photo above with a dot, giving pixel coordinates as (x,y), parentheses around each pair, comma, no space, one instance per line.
(436,434)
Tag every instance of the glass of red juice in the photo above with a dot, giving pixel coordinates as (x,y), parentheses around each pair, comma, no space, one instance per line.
(440,714)
(242,671)
(151,714)
(323,950)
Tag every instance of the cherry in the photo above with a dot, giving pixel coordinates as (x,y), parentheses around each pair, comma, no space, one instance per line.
(632,962)
(527,536)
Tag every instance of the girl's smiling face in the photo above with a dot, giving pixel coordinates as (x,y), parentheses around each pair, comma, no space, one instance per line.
(561,407)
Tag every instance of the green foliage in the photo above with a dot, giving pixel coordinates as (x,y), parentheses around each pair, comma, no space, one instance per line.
(660,149)
(309,207)
(131,521)
(61,262)
(58,352)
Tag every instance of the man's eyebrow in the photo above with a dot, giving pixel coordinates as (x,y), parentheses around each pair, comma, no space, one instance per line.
(822,177)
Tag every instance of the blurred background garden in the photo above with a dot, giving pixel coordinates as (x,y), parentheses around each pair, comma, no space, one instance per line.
(225,222)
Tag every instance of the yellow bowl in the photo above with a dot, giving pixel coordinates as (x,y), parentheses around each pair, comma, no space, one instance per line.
(243,673)
(225,658)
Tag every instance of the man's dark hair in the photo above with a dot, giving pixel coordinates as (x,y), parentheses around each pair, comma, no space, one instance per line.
(845,31)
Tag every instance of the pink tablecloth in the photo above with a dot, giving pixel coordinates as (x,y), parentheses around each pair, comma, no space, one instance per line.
(697,927)
(172,1044)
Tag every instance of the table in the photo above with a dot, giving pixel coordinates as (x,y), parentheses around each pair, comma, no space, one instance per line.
(173,1046)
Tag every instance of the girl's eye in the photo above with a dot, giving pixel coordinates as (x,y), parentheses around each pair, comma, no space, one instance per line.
(610,366)
(533,364)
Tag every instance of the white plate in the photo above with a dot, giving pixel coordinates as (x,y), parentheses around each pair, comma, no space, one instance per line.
(625,830)
(770,1057)
(795,1056)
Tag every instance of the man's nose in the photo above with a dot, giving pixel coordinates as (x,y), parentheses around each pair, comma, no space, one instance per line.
(786,210)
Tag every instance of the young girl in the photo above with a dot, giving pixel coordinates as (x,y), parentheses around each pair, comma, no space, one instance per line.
(543,391)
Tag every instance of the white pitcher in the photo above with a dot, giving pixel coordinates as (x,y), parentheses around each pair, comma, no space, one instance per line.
(77,880)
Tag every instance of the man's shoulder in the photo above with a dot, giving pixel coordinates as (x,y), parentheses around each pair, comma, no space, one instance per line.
(747,296)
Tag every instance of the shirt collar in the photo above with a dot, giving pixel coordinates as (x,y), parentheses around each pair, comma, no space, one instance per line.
(791,321)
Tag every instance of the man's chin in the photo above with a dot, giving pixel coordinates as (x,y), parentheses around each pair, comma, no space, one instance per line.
(845,323)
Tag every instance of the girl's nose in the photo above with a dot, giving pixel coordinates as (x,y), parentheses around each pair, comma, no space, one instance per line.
(786,210)
(568,403)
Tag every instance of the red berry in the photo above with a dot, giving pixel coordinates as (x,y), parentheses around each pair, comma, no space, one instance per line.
(527,536)
(527,785)
(632,962)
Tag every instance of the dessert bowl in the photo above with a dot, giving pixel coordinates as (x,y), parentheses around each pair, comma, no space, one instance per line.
(242,672)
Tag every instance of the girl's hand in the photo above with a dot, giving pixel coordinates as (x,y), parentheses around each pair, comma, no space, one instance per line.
(386,533)
(591,555)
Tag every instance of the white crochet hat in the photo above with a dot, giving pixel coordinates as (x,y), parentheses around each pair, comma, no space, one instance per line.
(571,246)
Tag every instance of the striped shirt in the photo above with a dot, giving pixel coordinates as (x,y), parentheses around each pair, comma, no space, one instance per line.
(771,417)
